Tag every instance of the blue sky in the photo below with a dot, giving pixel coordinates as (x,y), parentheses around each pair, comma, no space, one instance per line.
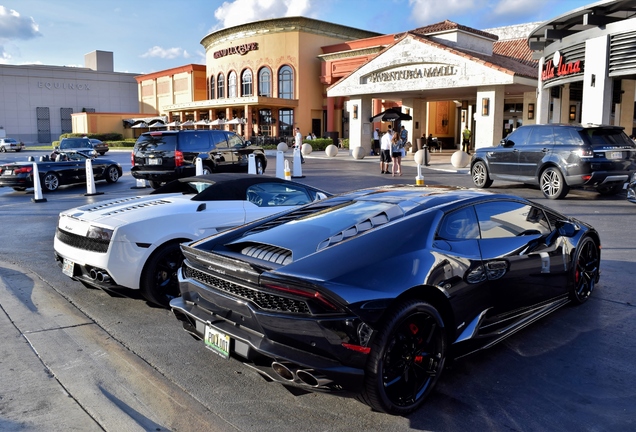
(149,36)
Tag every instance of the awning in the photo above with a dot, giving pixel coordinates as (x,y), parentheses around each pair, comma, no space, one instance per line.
(217,122)
(140,125)
(235,121)
(390,115)
(201,123)
(187,123)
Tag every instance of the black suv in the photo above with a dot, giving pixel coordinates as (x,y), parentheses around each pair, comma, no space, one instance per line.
(163,156)
(557,157)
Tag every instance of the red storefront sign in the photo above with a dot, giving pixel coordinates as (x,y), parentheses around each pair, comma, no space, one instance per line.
(560,69)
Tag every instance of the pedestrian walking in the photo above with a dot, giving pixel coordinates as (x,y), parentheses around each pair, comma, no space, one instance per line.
(466,140)
(396,155)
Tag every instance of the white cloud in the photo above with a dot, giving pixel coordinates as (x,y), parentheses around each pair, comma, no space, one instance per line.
(15,26)
(519,9)
(165,53)
(426,12)
(239,12)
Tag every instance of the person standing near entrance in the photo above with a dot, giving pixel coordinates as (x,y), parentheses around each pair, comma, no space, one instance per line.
(466,140)
(385,152)
(404,136)
(298,143)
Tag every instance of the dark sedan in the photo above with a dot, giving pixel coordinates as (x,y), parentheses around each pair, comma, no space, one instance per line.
(68,168)
(374,290)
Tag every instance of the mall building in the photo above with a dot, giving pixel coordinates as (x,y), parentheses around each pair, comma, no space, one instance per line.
(38,102)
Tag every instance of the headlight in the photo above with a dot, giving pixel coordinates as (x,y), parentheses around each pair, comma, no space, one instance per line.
(99,233)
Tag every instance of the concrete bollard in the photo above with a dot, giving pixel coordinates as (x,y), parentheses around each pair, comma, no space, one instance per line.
(90,180)
(251,164)
(198,163)
(280,164)
(420,158)
(298,170)
(37,186)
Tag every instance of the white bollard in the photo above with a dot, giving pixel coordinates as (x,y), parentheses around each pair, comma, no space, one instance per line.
(419,179)
(90,180)
(420,159)
(198,163)
(37,187)
(280,164)
(251,164)
(287,171)
(298,170)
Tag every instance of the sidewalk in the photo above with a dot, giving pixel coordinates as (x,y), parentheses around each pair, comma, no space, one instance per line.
(438,161)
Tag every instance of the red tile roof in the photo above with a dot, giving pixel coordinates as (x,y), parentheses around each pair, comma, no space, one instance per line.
(450,25)
(517,49)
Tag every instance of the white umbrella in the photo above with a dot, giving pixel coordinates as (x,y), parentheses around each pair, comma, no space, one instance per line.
(236,121)
(217,122)
(187,123)
(201,123)
(139,125)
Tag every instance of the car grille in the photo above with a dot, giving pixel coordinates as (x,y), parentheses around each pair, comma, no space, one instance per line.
(263,300)
(82,242)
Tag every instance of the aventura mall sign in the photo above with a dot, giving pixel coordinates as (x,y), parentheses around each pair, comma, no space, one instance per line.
(412,74)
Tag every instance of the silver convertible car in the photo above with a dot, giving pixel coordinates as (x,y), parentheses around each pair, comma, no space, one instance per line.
(134,242)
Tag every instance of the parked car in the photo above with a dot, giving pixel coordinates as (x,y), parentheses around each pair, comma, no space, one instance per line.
(78,145)
(163,156)
(99,146)
(69,168)
(134,242)
(373,291)
(559,157)
(7,144)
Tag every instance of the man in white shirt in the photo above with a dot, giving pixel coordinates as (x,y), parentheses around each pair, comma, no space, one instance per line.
(385,151)
(376,142)
(298,143)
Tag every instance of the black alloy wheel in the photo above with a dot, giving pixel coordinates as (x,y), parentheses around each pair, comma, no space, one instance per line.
(552,184)
(586,270)
(112,174)
(479,173)
(207,170)
(407,358)
(51,182)
(3,149)
(159,282)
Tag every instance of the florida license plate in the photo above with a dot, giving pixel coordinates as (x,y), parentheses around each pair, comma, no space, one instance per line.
(68,267)
(217,341)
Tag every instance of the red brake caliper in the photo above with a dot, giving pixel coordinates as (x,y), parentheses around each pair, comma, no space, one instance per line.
(414,329)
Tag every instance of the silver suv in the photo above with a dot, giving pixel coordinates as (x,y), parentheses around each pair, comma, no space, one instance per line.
(558,157)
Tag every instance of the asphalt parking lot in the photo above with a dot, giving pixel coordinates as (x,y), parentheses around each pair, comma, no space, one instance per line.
(84,359)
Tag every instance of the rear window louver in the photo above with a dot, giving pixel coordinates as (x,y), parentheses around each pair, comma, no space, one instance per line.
(355,230)
(128,208)
(296,214)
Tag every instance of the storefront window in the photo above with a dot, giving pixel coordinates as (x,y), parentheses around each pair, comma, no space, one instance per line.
(286,83)
(265,122)
(286,121)
(265,82)
(246,83)
(220,85)
(231,85)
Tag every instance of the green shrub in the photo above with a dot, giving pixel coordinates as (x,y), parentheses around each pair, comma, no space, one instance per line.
(110,136)
(319,144)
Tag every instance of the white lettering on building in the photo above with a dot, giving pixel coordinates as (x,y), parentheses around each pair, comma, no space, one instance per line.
(62,85)
(411,74)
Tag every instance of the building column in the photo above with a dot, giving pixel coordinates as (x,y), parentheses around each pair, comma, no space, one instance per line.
(529,101)
(489,116)
(626,118)
(597,85)
(564,112)
(330,126)
(360,135)
(248,130)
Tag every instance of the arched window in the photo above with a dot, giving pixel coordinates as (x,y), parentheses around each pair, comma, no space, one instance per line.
(285,83)
(286,122)
(265,82)
(211,88)
(246,83)
(231,85)
(220,85)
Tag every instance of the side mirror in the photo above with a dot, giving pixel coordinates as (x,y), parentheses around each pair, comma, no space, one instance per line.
(566,228)
(506,143)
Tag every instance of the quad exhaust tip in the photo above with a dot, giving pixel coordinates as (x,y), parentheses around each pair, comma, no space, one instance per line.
(306,376)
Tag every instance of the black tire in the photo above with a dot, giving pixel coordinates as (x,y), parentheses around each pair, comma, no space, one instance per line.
(407,358)
(552,184)
(260,166)
(19,188)
(102,153)
(585,272)
(207,169)
(609,189)
(479,174)
(159,282)
(112,174)
(2,149)
(50,182)
(155,184)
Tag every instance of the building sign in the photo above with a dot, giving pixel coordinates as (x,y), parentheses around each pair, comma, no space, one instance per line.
(411,74)
(239,49)
(63,85)
(558,68)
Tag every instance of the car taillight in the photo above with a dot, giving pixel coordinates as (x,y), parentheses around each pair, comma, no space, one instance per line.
(584,153)
(132,158)
(315,295)
(178,158)
(23,170)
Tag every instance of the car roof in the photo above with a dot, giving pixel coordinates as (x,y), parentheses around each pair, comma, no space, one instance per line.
(224,186)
